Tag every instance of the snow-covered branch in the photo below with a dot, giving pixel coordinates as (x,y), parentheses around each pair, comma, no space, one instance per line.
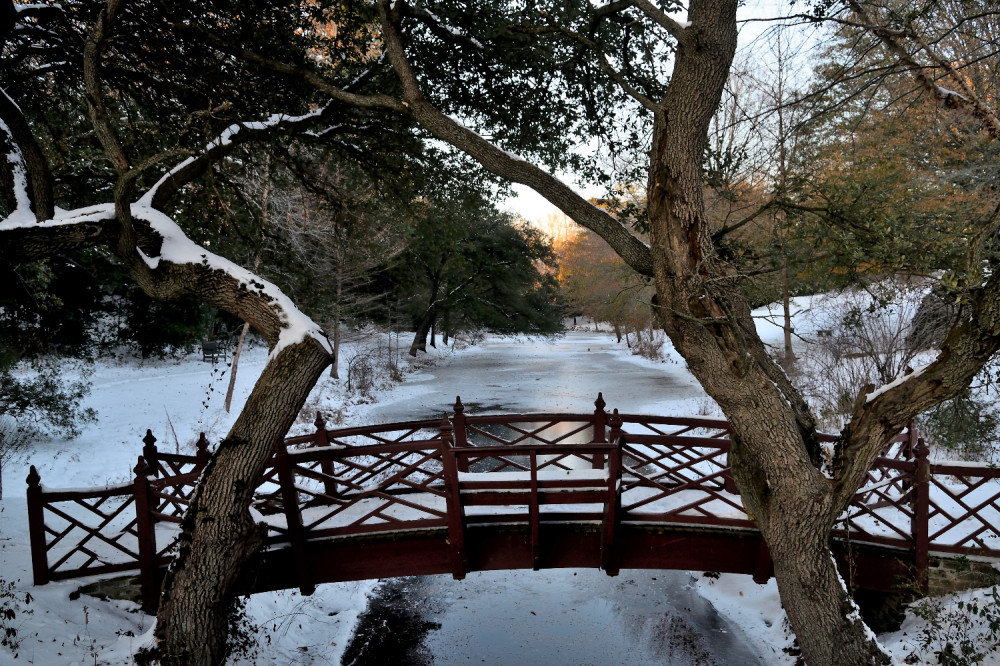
(30,175)
(237,133)
(438,26)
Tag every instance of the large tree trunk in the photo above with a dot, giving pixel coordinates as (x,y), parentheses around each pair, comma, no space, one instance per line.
(774,458)
(219,535)
(337,311)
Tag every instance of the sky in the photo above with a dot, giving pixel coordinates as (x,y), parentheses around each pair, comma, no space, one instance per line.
(535,208)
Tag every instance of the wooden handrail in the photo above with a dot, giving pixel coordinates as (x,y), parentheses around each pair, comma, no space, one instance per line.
(675,472)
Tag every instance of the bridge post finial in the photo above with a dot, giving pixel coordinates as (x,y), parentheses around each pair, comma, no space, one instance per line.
(149,450)
(145,534)
(36,528)
(912,439)
(460,433)
(141,468)
(600,429)
(615,423)
(322,439)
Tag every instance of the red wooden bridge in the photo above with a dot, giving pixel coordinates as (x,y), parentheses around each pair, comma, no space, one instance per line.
(472,493)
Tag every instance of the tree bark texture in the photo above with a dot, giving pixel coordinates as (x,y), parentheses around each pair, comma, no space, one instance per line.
(703,313)
(219,535)
(424,327)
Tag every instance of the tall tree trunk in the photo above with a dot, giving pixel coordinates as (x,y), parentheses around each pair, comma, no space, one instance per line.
(618,332)
(786,306)
(335,364)
(774,456)
(219,535)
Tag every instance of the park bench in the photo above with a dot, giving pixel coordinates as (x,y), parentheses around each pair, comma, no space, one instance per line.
(212,350)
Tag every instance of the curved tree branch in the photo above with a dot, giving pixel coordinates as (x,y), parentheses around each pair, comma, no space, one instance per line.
(183,173)
(635,253)
(672,26)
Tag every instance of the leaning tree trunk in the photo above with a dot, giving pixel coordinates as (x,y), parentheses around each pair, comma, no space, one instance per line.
(420,335)
(774,455)
(219,535)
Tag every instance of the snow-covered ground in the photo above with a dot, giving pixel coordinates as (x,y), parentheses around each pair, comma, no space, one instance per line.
(186,396)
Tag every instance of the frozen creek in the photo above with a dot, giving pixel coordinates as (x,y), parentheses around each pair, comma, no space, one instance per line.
(547,617)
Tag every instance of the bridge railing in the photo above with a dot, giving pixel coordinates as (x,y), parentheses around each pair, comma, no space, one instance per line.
(393,477)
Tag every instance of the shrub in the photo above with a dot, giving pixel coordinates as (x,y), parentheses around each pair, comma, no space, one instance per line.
(963,634)
(11,603)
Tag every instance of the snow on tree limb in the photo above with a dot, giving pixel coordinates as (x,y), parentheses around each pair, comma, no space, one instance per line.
(190,168)
(19,172)
(31,176)
(223,283)
(176,248)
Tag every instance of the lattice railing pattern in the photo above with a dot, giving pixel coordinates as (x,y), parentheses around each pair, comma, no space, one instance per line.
(89,532)
(375,479)
(393,477)
(964,515)
(882,510)
(663,480)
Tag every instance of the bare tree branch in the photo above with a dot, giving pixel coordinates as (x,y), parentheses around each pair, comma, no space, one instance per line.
(893,41)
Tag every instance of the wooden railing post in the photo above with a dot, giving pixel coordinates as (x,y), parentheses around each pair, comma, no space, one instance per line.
(612,510)
(150,453)
(322,439)
(36,528)
(146,536)
(615,424)
(201,452)
(921,513)
(534,517)
(293,520)
(460,434)
(453,500)
(600,421)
